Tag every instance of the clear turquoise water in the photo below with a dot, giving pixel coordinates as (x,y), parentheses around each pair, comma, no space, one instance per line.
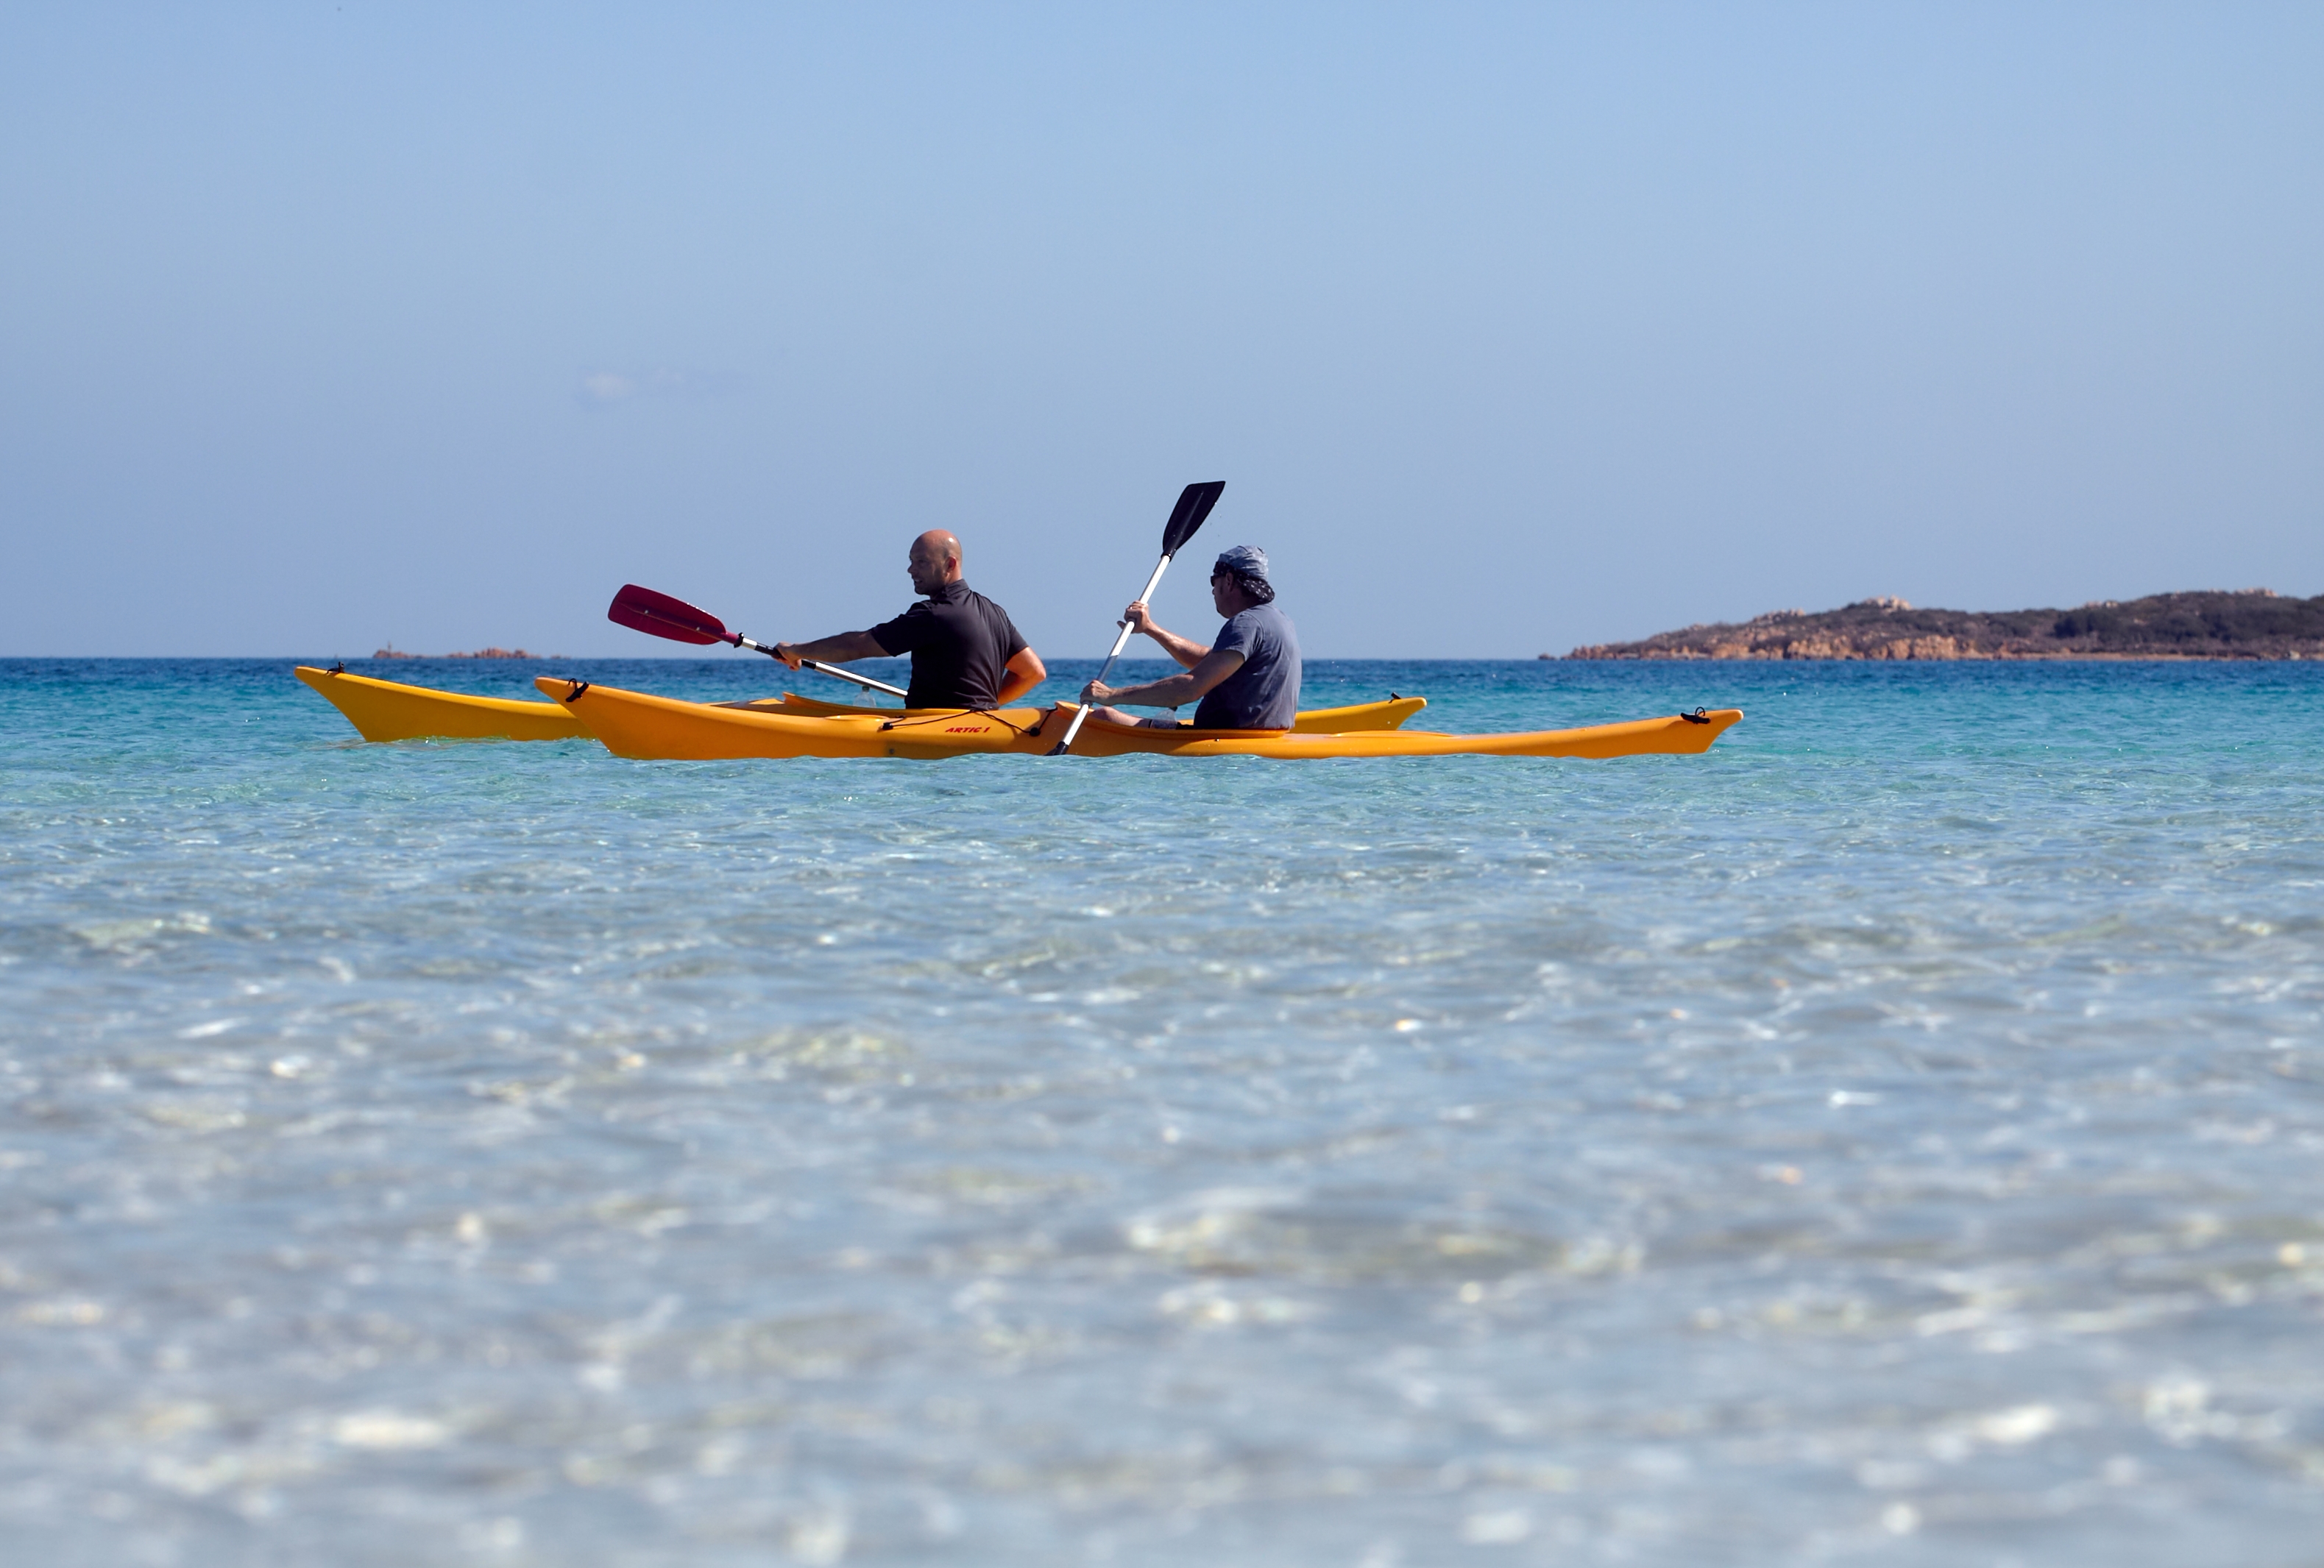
(1896,1136)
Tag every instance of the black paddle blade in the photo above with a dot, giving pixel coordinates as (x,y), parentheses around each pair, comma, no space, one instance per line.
(1195,503)
(659,615)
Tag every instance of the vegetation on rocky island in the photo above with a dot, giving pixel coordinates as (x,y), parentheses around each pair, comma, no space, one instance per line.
(2252,624)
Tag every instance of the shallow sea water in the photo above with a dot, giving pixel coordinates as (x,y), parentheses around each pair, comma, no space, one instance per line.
(1894,1137)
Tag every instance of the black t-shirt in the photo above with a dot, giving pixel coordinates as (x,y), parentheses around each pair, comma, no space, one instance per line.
(961,643)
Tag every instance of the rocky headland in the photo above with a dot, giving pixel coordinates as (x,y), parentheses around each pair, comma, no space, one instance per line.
(2251,623)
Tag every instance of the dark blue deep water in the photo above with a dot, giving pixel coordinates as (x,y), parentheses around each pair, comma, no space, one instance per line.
(1895,1136)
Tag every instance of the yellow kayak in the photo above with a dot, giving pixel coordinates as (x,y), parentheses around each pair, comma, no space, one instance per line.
(389,710)
(636,724)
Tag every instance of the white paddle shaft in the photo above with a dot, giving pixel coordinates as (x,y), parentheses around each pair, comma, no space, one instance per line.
(1120,643)
(822,668)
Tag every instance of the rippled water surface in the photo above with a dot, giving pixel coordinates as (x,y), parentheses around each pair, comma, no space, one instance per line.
(1896,1136)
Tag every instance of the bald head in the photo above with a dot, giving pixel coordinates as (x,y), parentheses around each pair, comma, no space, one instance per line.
(935,560)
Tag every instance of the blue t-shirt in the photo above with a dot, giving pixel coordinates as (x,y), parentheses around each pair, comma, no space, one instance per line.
(1264,693)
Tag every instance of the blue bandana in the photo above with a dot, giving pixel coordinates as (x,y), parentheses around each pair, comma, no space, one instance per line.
(1245,560)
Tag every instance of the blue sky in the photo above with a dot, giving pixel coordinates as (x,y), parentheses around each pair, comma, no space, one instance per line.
(1508,328)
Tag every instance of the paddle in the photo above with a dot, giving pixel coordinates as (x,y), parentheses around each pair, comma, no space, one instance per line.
(659,615)
(1195,503)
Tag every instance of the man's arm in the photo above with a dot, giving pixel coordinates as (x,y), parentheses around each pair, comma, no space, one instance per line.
(837,648)
(1171,691)
(1026,671)
(1184,651)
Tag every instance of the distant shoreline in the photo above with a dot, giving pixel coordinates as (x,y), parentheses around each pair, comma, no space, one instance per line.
(391,651)
(2254,624)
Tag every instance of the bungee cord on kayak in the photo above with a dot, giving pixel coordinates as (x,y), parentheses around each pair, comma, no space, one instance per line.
(941,717)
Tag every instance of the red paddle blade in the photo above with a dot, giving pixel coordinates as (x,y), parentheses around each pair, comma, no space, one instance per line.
(659,615)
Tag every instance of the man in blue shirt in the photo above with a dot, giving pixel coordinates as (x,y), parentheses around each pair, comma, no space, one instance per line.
(1248,679)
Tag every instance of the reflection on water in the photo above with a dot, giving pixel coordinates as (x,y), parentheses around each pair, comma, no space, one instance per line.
(1893,1135)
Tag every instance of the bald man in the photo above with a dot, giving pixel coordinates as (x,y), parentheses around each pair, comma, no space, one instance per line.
(965,651)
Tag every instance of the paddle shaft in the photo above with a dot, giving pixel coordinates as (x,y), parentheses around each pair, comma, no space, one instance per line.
(1105,669)
(820,667)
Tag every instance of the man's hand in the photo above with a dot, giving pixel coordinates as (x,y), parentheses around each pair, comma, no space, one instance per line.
(787,654)
(1136,617)
(1097,691)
